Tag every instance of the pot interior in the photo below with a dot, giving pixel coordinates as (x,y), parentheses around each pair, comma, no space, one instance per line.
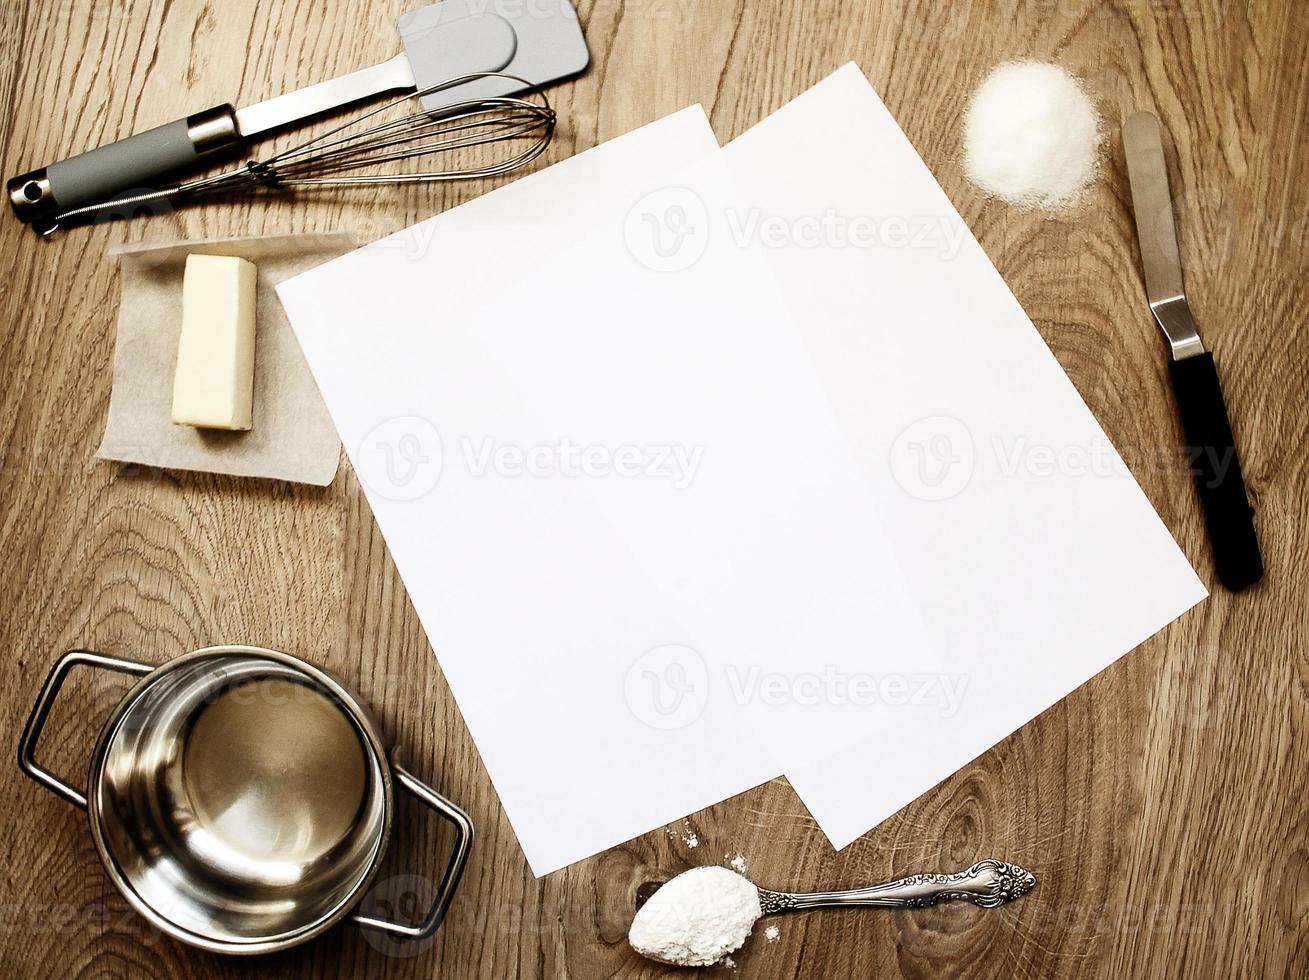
(239,800)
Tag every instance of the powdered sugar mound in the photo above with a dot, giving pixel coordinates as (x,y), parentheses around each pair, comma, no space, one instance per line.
(1031,136)
(697,918)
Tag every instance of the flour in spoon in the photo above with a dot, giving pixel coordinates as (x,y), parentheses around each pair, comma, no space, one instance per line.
(697,918)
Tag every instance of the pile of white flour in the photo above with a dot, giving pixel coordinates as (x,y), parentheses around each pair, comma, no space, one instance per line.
(697,918)
(1031,136)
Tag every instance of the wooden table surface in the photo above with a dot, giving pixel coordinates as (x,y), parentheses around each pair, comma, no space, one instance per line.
(1162,804)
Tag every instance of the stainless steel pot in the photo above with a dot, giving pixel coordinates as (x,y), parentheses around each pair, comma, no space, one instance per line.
(241,798)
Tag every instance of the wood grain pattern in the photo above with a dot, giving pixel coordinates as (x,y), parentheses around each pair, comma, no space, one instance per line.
(1162,804)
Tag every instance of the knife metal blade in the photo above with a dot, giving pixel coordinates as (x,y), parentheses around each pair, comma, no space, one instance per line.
(1156,231)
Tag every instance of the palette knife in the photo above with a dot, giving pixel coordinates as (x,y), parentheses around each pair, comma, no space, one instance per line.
(1211,446)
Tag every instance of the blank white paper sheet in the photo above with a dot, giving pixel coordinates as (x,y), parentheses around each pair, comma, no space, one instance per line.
(1035,556)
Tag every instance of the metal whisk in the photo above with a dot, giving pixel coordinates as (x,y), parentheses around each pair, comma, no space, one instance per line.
(358,152)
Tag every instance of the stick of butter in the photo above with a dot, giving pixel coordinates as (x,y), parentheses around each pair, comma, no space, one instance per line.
(214,384)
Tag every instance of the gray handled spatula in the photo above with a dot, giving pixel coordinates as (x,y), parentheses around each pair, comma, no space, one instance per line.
(538,42)
(1211,446)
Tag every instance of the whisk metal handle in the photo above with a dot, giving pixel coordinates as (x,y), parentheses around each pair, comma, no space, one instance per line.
(134,163)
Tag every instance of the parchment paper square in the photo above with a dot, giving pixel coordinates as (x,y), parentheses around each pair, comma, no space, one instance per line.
(292,437)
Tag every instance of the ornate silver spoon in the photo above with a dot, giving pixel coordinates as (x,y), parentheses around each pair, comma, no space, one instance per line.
(706,913)
(987,883)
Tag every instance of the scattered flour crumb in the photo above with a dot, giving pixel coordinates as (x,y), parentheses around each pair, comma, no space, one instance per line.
(689,836)
(737,862)
(697,918)
(686,834)
(772,934)
(729,962)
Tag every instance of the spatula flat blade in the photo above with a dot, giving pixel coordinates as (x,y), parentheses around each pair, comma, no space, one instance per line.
(1156,228)
(548,46)
(537,42)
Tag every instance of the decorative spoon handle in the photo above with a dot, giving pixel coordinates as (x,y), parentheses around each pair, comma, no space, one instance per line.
(987,883)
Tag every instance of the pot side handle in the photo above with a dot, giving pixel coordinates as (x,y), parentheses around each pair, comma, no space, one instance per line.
(453,870)
(41,711)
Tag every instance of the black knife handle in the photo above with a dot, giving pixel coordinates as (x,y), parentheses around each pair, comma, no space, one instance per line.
(1211,453)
